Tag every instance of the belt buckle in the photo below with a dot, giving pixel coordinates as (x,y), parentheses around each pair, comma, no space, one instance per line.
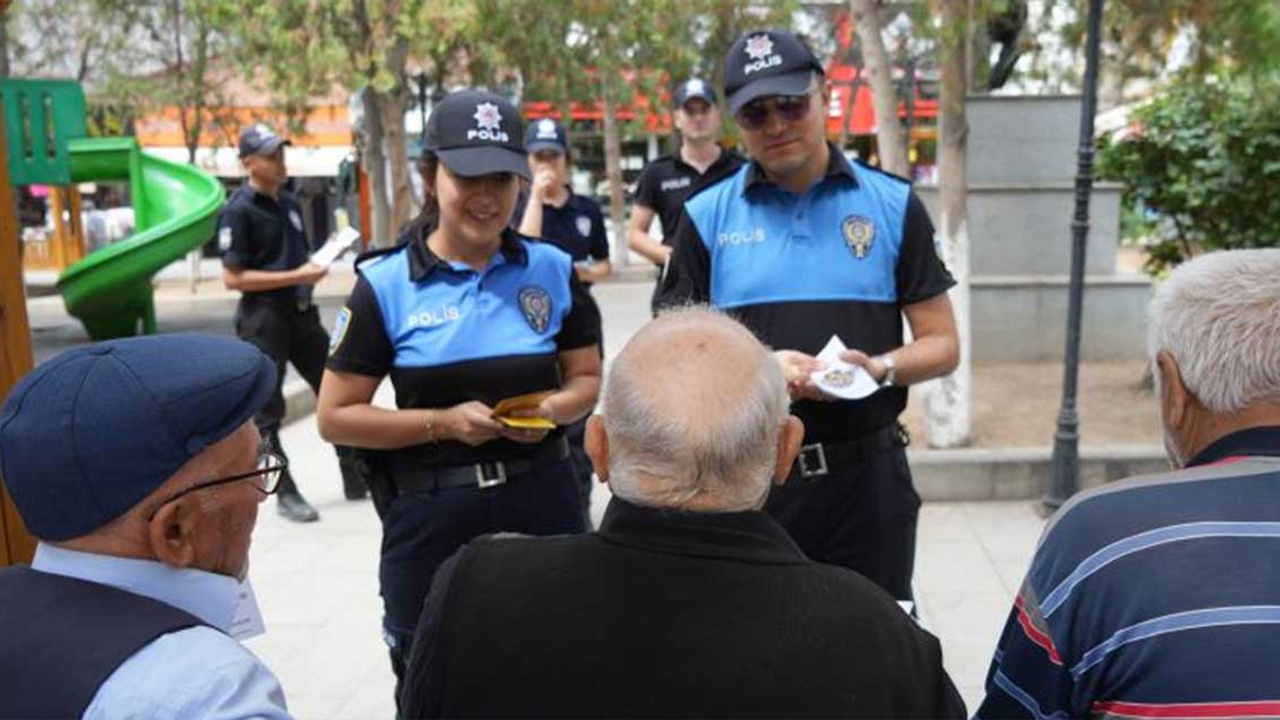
(486,480)
(818,467)
(302,305)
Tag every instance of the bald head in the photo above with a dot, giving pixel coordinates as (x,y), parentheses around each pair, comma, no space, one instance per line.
(694,409)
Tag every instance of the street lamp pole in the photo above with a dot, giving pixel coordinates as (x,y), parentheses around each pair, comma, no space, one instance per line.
(1065,478)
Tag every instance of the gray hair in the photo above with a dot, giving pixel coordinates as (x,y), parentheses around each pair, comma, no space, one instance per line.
(665,448)
(1218,315)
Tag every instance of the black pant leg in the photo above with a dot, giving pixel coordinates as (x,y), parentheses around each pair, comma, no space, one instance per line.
(309,347)
(264,325)
(861,516)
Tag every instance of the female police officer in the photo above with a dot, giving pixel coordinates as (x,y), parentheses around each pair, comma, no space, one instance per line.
(464,313)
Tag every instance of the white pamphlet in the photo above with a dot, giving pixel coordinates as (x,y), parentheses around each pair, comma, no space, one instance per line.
(342,241)
(839,378)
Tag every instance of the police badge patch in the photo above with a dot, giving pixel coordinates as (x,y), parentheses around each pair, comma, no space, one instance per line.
(535,303)
(584,225)
(858,232)
(339,330)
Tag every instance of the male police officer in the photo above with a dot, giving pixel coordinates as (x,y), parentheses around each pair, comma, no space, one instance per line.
(265,256)
(665,182)
(801,244)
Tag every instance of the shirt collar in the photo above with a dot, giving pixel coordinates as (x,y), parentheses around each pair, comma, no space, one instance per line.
(751,536)
(720,160)
(1241,443)
(837,167)
(422,260)
(208,596)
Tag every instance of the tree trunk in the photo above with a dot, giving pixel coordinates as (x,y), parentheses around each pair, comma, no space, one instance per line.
(375,166)
(866,17)
(394,104)
(948,405)
(613,170)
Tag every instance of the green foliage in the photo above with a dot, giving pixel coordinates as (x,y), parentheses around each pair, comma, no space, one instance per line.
(1203,169)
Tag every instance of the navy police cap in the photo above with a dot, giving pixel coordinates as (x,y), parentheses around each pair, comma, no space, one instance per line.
(88,434)
(476,133)
(546,134)
(764,63)
(258,139)
(691,89)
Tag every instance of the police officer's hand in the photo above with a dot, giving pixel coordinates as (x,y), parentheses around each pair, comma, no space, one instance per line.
(471,423)
(310,273)
(530,435)
(543,180)
(796,368)
(874,367)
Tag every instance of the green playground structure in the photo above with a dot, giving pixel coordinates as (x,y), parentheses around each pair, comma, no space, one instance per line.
(174,208)
(174,205)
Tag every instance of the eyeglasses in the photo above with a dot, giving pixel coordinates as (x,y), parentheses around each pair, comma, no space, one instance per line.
(755,114)
(271,467)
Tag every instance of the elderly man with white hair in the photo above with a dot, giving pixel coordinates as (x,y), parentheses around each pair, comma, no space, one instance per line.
(1159,596)
(689,601)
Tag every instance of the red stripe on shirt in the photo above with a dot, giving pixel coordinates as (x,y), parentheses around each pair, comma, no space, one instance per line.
(1034,634)
(1252,708)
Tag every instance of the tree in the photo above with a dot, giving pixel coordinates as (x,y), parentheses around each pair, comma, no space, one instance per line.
(1201,171)
(948,404)
(889,135)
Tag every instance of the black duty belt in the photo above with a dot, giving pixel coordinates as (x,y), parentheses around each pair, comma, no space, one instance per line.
(816,460)
(482,475)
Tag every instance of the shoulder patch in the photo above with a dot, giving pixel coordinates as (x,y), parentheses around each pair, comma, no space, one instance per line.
(340,326)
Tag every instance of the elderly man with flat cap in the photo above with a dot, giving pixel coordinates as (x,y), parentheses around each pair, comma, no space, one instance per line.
(137,465)
(689,601)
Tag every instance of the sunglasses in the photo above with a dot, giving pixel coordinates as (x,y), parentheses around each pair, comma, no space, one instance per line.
(755,114)
(271,467)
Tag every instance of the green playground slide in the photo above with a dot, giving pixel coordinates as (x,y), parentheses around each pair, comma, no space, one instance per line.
(175,208)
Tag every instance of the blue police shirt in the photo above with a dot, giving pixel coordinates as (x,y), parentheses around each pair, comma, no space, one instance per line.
(447,334)
(194,673)
(842,258)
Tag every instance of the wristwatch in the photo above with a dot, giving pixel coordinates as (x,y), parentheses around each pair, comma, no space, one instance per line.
(890,370)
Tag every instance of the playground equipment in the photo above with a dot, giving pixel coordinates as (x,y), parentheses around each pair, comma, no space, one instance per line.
(175,206)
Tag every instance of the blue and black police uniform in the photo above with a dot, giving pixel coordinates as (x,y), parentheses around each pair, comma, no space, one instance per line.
(843,258)
(447,334)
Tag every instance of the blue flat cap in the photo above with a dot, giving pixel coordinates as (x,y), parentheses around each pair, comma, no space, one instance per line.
(93,431)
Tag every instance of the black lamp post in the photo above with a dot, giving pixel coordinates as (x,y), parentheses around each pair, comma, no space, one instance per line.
(1065,478)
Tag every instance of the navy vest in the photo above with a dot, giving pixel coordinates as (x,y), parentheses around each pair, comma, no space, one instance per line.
(61,638)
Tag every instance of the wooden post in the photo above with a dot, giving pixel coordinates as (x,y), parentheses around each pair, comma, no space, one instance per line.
(16,545)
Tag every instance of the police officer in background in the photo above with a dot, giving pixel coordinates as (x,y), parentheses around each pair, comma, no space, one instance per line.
(801,244)
(265,256)
(666,181)
(574,224)
(463,313)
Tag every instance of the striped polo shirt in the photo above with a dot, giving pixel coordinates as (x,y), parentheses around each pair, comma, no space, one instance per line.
(1154,597)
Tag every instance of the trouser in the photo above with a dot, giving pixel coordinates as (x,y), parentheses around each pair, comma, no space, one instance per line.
(575,434)
(287,335)
(420,530)
(860,514)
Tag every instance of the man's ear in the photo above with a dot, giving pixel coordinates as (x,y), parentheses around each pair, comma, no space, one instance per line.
(789,440)
(1175,399)
(172,533)
(596,443)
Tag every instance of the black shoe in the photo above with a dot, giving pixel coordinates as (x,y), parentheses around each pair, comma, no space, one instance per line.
(294,507)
